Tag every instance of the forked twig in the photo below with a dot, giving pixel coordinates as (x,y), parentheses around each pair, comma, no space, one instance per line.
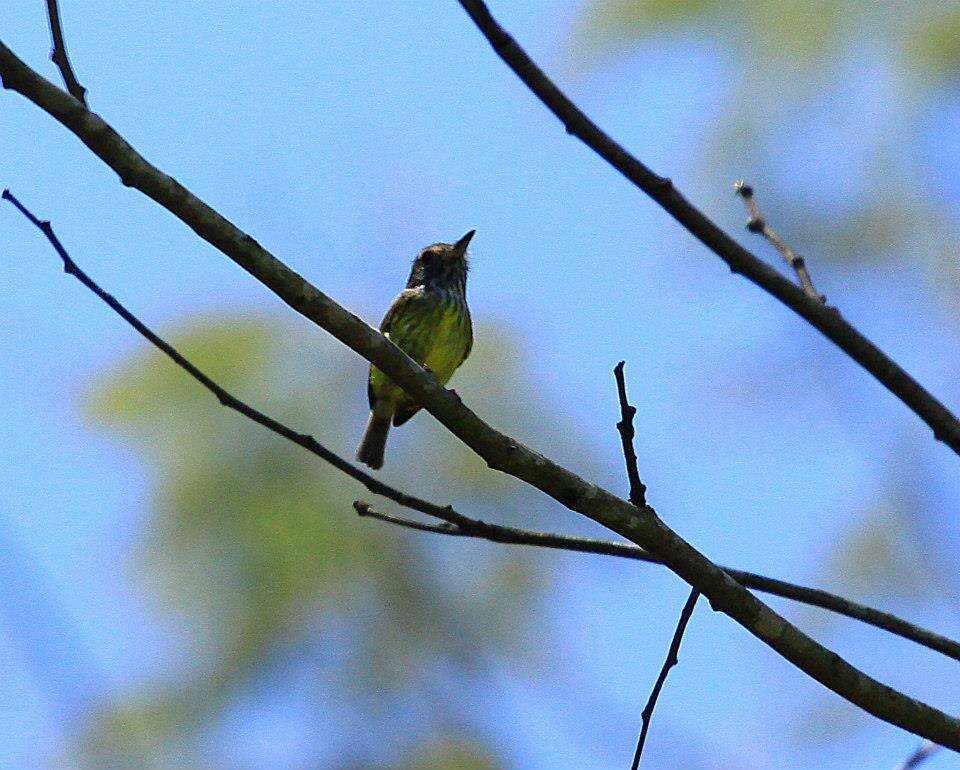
(759,225)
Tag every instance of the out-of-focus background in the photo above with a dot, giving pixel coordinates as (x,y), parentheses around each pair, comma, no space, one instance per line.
(181,589)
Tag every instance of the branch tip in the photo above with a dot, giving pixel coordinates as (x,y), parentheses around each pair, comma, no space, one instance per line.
(670,662)
(742,189)
(758,225)
(638,492)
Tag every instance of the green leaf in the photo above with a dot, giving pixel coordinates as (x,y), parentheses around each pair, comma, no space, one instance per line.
(932,45)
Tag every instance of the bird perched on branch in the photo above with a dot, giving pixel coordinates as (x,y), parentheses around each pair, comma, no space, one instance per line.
(430,322)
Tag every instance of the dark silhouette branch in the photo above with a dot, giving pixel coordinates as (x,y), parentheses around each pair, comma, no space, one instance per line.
(58,55)
(758,224)
(814,597)
(638,492)
(457,524)
(669,663)
(926,750)
(501,452)
(826,319)
(225,398)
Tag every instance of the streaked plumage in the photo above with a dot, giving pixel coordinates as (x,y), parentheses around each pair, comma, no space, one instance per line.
(430,321)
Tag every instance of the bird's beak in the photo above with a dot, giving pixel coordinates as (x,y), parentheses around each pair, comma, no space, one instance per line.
(460,247)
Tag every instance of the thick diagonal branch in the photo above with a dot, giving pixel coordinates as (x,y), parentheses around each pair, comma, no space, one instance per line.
(454,523)
(639,525)
(825,319)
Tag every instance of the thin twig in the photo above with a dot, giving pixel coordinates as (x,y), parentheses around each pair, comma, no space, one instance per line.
(814,597)
(464,526)
(826,319)
(227,399)
(58,55)
(758,224)
(638,492)
(669,663)
(505,453)
(926,750)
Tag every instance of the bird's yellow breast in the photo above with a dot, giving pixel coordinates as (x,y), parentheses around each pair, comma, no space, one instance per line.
(448,343)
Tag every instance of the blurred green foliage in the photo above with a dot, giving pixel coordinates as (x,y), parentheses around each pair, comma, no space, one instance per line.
(829,108)
(794,64)
(253,551)
(253,546)
(793,32)
(849,87)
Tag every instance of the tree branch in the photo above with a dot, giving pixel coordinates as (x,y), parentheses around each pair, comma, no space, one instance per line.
(814,597)
(926,750)
(501,452)
(758,224)
(58,55)
(457,524)
(669,663)
(826,319)
(227,399)
(638,492)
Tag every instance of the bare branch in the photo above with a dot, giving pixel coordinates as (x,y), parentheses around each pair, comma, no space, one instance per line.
(669,663)
(926,750)
(758,224)
(638,492)
(827,320)
(814,597)
(460,525)
(502,452)
(227,399)
(58,55)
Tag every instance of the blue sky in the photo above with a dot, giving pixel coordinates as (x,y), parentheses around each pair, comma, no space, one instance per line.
(345,136)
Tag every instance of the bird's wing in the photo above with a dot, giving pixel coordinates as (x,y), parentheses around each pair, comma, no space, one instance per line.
(466,351)
(399,306)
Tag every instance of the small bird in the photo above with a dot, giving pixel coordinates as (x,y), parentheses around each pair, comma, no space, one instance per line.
(429,321)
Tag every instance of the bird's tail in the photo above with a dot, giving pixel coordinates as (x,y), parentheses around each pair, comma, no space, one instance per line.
(374,440)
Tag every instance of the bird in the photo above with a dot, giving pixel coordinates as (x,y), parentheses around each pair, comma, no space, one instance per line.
(429,321)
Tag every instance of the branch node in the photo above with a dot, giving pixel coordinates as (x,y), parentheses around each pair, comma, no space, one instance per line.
(638,492)
(58,55)
(758,225)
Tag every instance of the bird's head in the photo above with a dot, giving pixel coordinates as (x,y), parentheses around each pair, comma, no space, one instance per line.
(441,265)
